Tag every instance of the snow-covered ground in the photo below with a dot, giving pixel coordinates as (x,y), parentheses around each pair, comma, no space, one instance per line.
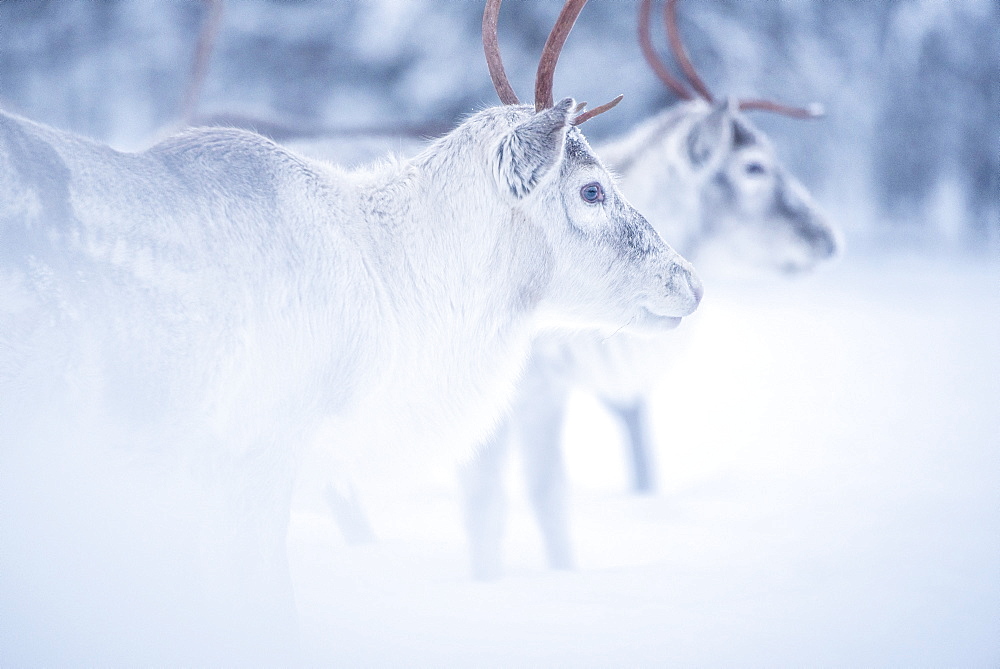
(830,496)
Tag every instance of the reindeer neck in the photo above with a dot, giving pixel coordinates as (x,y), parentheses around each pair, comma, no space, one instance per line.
(457,253)
(459,277)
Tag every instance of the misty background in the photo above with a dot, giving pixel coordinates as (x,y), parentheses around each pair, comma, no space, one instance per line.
(909,151)
(830,456)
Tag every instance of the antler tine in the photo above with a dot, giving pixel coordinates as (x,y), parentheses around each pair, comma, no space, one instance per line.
(492,48)
(814,110)
(550,53)
(600,109)
(680,54)
(659,67)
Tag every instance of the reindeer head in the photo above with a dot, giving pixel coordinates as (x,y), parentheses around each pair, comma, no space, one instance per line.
(751,208)
(608,265)
(749,205)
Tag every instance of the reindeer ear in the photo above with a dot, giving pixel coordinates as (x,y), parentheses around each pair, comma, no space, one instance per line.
(711,137)
(531,149)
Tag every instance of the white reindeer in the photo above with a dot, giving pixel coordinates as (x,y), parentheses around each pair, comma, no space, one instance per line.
(707,179)
(177,324)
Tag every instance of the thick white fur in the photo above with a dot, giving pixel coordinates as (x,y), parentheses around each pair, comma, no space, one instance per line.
(176,324)
(687,170)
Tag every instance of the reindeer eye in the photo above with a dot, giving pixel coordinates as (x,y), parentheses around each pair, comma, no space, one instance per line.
(754,169)
(592,193)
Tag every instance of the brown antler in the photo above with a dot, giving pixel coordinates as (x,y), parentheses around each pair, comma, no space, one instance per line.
(815,110)
(680,55)
(550,53)
(659,67)
(547,63)
(600,109)
(492,48)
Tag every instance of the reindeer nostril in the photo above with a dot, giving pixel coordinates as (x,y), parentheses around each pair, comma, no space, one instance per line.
(697,288)
(829,248)
(825,244)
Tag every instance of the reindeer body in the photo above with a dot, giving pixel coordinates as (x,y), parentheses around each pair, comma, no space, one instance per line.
(164,230)
(178,323)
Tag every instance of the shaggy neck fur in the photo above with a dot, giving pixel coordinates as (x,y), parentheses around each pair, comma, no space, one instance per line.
(470,284)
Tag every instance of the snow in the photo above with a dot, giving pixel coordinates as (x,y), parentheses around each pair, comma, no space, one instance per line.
(830,496)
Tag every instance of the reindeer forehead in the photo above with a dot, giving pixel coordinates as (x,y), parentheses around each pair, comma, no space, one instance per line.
(577,152)
(745,135)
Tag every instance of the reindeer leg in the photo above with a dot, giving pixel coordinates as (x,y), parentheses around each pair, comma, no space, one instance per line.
(635,416)
(247,596)
(485,504)
(540,419)
(349,515)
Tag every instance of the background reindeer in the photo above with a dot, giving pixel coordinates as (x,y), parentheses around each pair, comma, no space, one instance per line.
(179,321)
(712,185)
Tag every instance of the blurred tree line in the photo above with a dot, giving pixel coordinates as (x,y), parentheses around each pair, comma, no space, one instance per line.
(909,151)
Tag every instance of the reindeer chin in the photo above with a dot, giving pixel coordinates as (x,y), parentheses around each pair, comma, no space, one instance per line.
(793,269)
(652,321)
